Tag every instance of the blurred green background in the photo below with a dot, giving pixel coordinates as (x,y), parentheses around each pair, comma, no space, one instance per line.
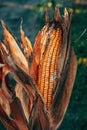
(33,14)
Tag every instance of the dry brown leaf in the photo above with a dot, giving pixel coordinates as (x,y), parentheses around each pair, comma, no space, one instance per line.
(15,51)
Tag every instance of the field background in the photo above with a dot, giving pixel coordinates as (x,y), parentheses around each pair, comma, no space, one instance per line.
(33,14)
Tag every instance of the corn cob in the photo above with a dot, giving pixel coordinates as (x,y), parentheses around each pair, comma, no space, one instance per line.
(48,69)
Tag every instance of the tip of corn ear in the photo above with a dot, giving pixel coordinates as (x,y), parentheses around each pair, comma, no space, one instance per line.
(67,18)
(57,15)
(65,12)
(47,16)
